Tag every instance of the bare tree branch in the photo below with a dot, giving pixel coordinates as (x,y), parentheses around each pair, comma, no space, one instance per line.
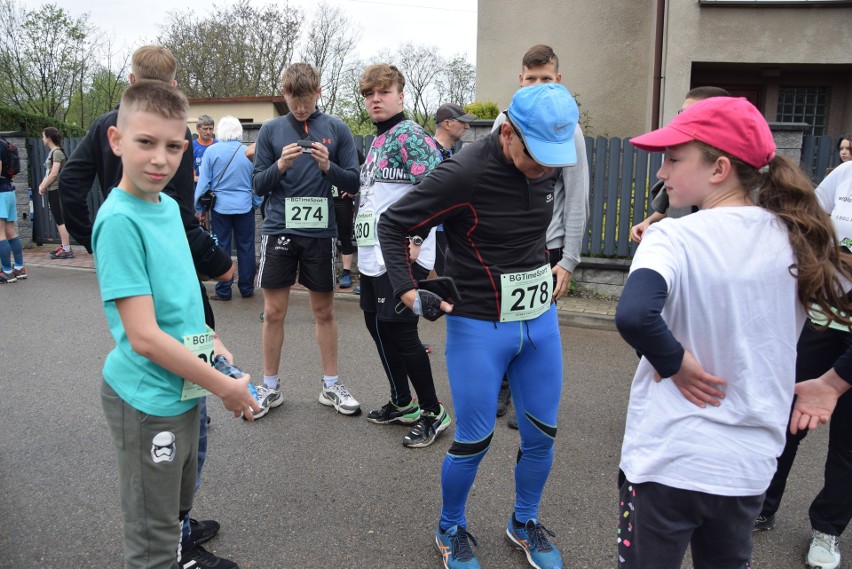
(235,51)
(330,46)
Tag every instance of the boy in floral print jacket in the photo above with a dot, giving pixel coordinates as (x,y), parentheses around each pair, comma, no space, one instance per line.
(401,156)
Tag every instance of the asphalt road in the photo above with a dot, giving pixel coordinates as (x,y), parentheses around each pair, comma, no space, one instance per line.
(304,486)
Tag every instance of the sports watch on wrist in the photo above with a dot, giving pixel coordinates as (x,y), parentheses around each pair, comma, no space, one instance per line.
(416,240)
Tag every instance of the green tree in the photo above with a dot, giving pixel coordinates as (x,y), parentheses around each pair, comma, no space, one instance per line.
(44,56)
(457,81)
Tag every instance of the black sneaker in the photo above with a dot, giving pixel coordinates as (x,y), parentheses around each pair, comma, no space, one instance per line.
(202,531)
(390,413)
(427,429)
(503,399)
(199,558)
(763,523)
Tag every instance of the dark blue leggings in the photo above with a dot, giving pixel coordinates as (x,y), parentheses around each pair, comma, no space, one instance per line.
(479,353)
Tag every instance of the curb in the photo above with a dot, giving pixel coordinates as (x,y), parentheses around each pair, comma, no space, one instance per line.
(566,317)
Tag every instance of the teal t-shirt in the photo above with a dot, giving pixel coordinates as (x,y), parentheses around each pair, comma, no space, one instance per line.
(140,249)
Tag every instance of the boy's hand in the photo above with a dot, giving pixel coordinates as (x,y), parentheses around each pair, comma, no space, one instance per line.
(238,399)
(289,154)
(320,156)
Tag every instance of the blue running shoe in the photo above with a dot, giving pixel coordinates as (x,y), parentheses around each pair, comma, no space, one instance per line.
(531,539)
(455,550)
(345,279)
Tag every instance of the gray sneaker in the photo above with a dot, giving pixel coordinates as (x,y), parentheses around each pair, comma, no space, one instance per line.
(267,399)
(339,397)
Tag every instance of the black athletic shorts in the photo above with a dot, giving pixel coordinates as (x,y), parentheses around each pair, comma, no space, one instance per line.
(283,257)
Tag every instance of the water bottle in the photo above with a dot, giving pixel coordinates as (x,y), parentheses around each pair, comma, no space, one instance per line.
(222,365)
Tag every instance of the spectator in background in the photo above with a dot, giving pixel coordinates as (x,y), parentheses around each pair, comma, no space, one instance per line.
(226,169)
(451,122)
(50,185)
(10,243)
(344,212)
(206,138)
(820,354)
(844,149)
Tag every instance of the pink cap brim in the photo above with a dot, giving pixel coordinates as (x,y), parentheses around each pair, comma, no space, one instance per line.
(658,140)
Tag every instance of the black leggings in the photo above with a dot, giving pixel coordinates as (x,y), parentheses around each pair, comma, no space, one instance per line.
(344,211)
(403,358)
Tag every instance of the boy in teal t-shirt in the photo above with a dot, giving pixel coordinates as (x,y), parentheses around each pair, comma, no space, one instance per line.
(163,350)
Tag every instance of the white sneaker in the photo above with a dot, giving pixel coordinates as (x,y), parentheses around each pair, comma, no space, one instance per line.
(339,397)
(824,552)
(267,399)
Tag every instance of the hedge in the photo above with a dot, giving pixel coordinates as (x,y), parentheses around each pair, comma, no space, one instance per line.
(33,125)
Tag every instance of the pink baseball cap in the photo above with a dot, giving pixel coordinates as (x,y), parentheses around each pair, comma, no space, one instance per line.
(732,125)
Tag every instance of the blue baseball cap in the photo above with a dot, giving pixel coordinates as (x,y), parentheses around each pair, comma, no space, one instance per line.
(545,116)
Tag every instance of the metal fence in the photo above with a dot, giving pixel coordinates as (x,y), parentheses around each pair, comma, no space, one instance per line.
(621,177)
(819,153)
(44,225)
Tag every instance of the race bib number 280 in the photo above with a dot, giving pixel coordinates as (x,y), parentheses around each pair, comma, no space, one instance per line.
(525,295)
(365,228)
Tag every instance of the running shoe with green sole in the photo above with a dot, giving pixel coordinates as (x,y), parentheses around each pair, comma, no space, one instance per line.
(427,429)
(390,413)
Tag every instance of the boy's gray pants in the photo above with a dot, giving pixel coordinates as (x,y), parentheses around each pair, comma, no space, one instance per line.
(157,467)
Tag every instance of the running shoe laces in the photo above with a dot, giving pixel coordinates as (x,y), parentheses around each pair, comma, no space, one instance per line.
(461,545)
(539,541)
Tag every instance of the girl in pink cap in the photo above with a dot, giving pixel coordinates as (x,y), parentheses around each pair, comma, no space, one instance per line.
(715,303)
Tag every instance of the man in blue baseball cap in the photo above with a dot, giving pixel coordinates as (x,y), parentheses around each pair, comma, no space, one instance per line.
(495,200)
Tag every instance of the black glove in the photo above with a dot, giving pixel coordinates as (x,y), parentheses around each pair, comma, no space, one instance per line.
(426,304)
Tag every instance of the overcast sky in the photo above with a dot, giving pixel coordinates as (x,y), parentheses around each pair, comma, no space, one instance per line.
(450,25)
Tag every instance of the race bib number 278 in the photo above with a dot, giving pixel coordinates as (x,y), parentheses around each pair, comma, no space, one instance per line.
(525,295)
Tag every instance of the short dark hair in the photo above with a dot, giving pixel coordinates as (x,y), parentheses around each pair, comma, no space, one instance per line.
(539,55)
(154,97)
(706,92)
